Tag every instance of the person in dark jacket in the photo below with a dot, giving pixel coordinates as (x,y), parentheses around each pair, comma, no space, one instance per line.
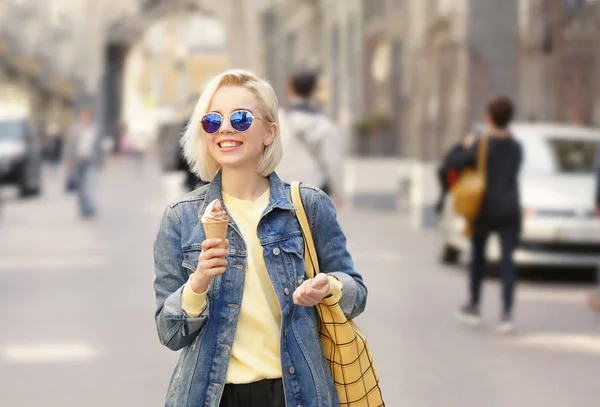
(500,211)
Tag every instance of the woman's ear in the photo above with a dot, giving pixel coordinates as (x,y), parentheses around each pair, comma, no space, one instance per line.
(271,132)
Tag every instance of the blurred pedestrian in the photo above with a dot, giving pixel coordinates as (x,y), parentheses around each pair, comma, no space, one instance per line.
(54,148)
(447,174)
(243,312)
(500,211)
(191,180)
(84,158)
(312,145)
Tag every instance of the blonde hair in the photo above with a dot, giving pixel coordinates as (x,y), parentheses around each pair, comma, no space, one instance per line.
(193,141)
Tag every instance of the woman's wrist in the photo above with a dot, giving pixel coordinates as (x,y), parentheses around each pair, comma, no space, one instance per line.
(199,284)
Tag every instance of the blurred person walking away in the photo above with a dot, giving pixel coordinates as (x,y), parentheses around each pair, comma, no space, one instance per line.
(594,300)
(84,157)
(447,174)
(500,211)
(312,143)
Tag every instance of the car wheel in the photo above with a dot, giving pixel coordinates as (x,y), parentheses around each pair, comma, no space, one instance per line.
(29,192)
(449,255)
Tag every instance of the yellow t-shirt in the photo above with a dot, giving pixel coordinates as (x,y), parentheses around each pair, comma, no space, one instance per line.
(255,354)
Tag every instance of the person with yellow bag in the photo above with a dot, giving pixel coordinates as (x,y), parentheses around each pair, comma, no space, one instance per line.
(487,196)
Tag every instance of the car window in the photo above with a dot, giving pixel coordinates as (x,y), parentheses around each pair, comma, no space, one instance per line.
(12,130)
(546,156)
(574,156)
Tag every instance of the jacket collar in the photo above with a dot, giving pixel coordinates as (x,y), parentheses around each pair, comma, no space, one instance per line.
(280,194)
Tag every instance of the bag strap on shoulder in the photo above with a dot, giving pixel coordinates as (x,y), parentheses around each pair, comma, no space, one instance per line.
(482,155)
(311,262)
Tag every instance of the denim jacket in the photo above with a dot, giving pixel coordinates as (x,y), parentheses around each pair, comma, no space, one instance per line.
(206,341)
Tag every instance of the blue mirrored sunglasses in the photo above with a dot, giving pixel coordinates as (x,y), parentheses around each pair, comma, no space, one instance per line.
(240,120)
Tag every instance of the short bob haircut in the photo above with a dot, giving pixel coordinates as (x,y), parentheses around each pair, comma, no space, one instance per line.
(193,141)
(501,111)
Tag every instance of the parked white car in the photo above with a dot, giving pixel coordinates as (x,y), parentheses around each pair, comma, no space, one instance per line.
(20,152)
(557,188)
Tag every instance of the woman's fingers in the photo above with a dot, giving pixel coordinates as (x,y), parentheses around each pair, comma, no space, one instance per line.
(213,262)
(311,292)
(210,243)
(213,253)
(302,296)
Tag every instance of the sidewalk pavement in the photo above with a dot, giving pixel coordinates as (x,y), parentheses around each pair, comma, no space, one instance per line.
(79,327)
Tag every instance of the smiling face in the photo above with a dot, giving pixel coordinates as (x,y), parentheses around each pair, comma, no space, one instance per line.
(231,148)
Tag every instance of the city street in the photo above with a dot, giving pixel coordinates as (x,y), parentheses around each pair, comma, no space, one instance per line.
(77,327)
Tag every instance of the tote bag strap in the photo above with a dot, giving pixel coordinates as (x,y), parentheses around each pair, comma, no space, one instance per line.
(311,262)
(482,155)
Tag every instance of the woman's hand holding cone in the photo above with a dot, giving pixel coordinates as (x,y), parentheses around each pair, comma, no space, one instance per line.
(211,263)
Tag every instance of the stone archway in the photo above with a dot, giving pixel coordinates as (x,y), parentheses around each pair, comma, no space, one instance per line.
(240,21)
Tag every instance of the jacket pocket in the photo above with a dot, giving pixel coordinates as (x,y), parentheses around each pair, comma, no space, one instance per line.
(294,256)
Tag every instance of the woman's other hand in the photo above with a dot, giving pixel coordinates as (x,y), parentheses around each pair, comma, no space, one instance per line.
(312,291)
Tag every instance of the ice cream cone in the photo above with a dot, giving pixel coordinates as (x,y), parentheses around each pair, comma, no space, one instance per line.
(216,230)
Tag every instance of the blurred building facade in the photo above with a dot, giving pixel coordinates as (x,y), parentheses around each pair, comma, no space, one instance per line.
(59,53)
(560,49)
(404,78)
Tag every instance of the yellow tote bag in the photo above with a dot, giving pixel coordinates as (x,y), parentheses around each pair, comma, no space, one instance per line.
(469,190)
(344,345)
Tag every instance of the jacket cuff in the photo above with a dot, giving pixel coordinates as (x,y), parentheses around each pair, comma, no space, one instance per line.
(192,304)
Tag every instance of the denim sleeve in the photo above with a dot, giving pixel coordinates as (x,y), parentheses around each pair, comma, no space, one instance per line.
(175,329)
(334,258)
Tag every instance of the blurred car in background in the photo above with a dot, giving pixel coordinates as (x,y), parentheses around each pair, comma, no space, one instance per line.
(20,154)
(557,187)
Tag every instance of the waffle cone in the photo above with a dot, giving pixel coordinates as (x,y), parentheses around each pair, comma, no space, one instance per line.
(216,230)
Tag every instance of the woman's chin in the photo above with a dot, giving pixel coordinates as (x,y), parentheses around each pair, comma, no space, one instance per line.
(234,164)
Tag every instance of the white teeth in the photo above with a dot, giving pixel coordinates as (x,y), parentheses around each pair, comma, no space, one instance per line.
(228,144)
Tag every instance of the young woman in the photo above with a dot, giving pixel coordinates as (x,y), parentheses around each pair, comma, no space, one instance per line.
(500,212)
(244,314)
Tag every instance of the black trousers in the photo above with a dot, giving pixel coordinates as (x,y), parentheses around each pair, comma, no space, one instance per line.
(265,393)
(508,270)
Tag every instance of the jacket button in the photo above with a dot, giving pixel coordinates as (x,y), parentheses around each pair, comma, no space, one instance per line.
(285,332)
(292,370)
(286,291)
(276,251)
